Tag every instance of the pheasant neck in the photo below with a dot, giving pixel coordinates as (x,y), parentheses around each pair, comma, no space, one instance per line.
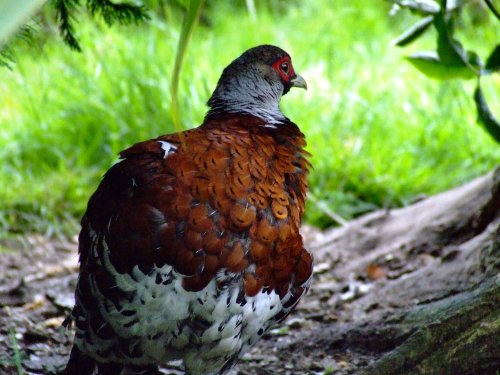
(256,96)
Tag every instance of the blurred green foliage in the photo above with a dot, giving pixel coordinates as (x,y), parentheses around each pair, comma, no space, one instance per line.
(451,59)
(380,135)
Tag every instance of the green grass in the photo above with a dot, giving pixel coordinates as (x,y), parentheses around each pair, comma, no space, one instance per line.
(14,360)
(380,133)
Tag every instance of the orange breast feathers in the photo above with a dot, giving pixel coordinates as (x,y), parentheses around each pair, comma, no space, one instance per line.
(214,198)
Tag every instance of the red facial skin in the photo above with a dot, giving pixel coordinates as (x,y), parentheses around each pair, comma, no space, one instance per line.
(285,68)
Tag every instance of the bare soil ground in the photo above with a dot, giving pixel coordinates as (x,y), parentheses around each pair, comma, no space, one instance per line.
(409,291)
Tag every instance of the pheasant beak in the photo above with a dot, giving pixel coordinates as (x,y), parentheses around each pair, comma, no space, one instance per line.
(298,81)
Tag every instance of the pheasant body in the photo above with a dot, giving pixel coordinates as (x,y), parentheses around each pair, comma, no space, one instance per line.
(190,247)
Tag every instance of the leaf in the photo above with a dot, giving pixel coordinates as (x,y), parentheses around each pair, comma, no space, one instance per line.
(6,56)
(493,61)
(474,60)
(450,50)
(413,32)
(485,117)
(421,6)
(429,63)
(190,21)
(123,13)
(65,10)
(375,271)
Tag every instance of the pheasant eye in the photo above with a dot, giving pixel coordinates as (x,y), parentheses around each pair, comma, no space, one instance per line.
(284,67)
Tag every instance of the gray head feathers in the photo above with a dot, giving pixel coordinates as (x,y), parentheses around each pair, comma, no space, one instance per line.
(251,85)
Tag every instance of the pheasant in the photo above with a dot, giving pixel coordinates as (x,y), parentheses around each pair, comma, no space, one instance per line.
(190,247)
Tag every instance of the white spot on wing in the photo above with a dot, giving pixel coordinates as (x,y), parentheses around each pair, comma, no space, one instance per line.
(167,147)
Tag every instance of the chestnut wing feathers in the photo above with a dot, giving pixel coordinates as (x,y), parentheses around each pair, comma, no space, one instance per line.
(216,197)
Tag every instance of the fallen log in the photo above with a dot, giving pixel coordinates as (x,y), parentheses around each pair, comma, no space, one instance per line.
(437,308)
